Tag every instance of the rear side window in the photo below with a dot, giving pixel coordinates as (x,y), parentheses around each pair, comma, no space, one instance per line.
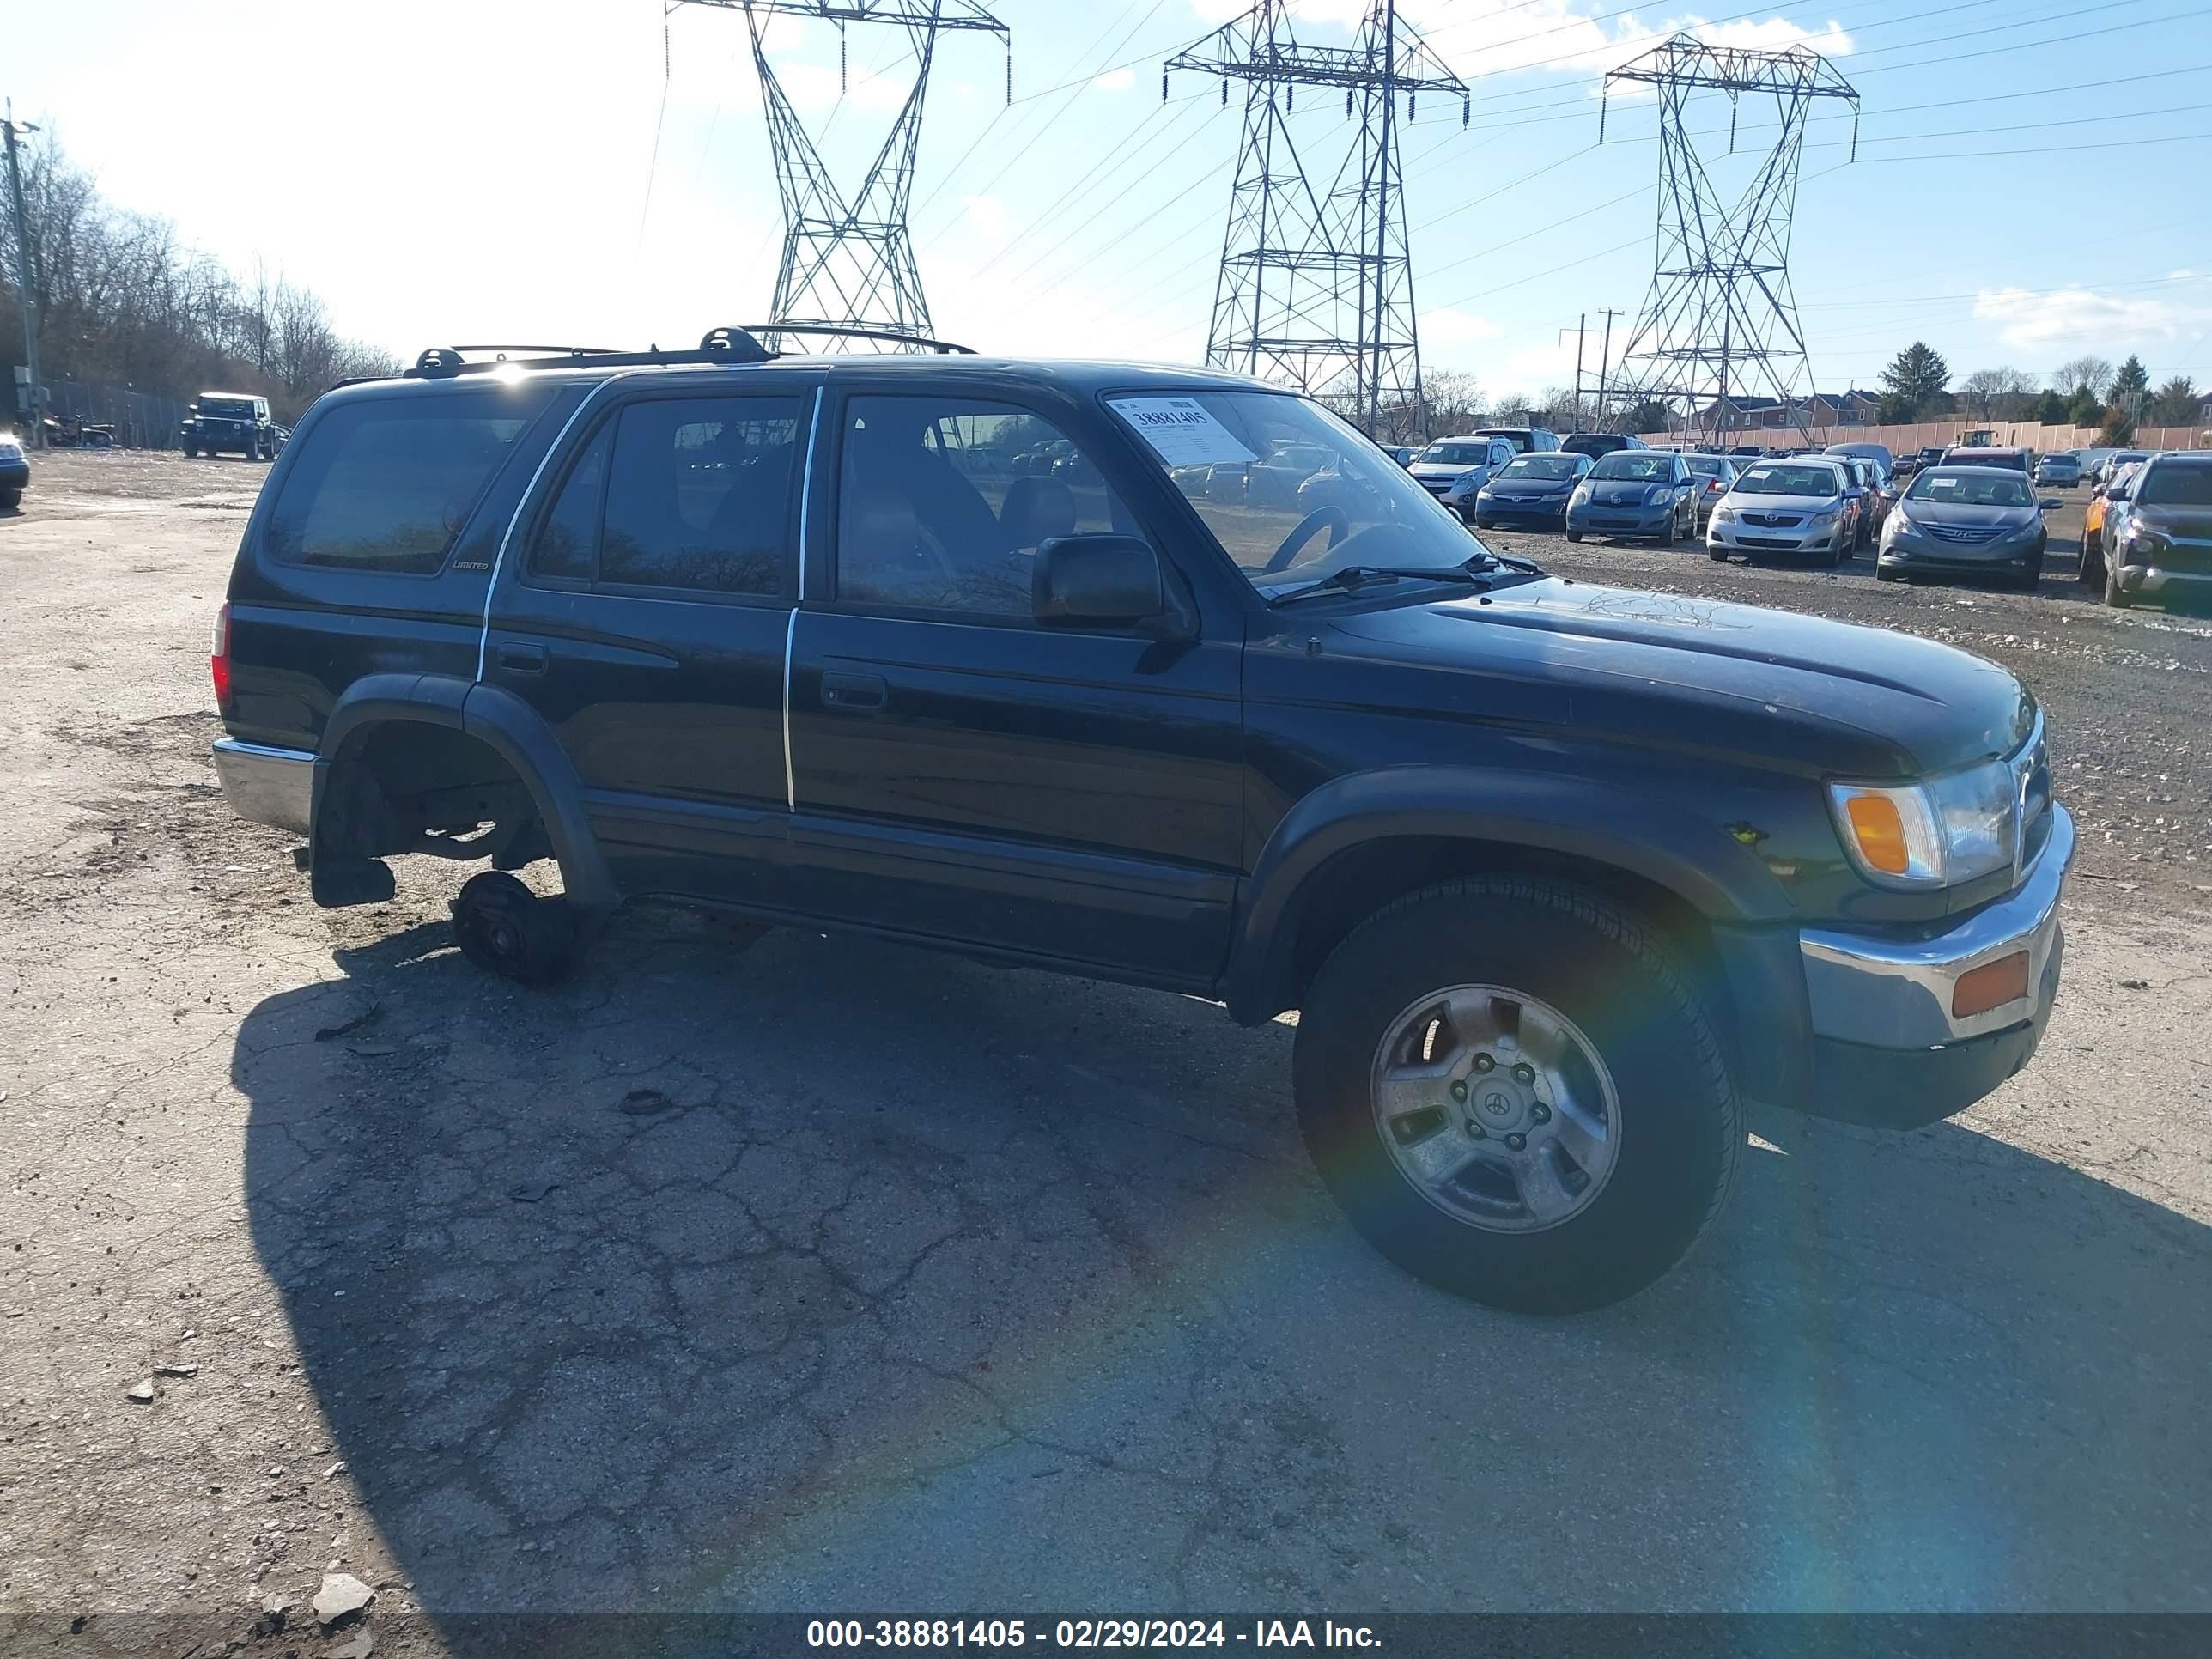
(386,484)
(685,493)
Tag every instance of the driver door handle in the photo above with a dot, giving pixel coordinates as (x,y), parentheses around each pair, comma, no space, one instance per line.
(853,693)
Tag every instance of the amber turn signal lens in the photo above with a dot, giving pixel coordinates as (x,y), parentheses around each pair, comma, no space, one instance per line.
(1879,828)
(1989,986)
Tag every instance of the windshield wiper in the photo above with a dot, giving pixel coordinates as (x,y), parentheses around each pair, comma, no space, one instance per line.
(1349,577)
(1505,561)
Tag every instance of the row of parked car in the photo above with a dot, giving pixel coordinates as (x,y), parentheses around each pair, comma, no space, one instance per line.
(2148,530)
(1947,510)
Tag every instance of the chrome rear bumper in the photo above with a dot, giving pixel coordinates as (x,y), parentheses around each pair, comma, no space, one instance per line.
(275,786)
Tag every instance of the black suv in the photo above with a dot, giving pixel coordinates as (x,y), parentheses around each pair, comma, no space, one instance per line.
(1558,875)
(236,421)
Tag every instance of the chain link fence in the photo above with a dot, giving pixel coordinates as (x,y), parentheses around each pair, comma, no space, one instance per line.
(138,419)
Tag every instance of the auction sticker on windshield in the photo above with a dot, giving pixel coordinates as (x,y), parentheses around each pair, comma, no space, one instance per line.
(1182,432)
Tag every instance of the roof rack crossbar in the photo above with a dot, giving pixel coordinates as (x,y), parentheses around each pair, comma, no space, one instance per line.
(843,332)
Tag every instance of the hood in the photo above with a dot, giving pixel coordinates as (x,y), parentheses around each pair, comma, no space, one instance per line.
(1753,500)
(1931,510)
(2175,519)
(1528,486)
(1442,469)
(1799,694)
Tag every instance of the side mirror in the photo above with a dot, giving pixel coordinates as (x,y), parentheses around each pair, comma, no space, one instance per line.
(2048,504)
(1096,579)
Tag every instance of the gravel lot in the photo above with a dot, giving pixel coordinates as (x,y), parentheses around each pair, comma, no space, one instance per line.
(836,1278)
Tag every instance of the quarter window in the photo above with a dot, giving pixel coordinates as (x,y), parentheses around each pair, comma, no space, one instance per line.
(385,484)
(568,541)
(942,504)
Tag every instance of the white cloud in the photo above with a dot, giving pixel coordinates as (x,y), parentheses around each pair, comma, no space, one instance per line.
(988,214)
(1446,327)
(1119,80)
(2062,317)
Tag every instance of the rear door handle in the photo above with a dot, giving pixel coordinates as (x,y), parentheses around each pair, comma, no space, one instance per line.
(853,693)
(522,658)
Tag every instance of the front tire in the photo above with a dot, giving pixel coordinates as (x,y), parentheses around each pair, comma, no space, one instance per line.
(506,929)
(1515,1092)
(2115,596)
(1574,535)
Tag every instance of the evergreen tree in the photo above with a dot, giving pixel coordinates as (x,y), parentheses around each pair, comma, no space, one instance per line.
(1913,381)
(2051,412)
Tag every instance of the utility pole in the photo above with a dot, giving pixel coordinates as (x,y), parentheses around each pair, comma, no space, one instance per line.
(23,288)
(1604,362)
(1316,283)
(1581,328)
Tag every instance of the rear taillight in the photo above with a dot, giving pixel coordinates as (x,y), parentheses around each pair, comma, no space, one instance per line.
(219,659)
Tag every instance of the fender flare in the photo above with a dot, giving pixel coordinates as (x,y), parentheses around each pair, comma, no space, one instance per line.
(504,723)
(1582,817)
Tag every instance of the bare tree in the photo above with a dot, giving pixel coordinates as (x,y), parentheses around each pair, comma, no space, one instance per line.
(1454,400)
(123,302)
(1983,388)
(2078,375)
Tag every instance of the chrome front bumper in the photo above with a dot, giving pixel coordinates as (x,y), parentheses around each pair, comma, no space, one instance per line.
(1897,994)
(275,786)
(2154,579)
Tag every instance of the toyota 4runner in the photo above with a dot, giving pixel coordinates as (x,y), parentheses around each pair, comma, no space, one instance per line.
(1558,877)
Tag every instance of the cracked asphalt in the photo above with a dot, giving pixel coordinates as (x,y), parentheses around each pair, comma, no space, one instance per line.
(834,1278)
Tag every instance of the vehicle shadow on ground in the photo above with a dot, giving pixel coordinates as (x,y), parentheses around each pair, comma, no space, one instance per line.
(833,1276)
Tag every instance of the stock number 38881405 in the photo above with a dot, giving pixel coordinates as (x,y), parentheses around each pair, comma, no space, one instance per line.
(1015,1632)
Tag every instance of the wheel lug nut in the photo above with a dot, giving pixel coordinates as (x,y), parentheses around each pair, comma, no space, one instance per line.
(1459,1090)
(1477,1132)
(1524,1073)
(1540,1113)
(1516,1142)
(1483,1062)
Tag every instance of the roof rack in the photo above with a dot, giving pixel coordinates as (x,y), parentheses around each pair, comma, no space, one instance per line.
(717,345)
(840,331)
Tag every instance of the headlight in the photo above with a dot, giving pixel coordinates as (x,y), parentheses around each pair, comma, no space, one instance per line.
(1822,520)
(1657,494)
(1581,496)
(1936,834)
(1724,514)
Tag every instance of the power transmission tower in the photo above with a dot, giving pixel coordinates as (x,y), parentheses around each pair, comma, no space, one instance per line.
(1721,320)
(848,260)
(1316,284)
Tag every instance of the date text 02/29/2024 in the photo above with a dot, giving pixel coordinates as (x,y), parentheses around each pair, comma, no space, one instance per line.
(1082,1633)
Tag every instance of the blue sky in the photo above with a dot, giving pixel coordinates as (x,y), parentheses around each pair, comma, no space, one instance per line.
(2032,181)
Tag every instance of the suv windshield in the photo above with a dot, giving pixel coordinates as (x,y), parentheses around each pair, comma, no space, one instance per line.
(227,407)
(1457,454)
(1784,480)
(1635,464)
(2176,483)
(1284,524)
(1540,466)
(1969,489)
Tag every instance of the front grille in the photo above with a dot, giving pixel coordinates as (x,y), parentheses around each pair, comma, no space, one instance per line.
(2031,778)
(2190,557)
(1788,542)
(1775,520)
(1965,533)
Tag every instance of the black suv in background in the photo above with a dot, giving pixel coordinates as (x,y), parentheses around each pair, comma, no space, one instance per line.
(1559,877)
(223,420)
